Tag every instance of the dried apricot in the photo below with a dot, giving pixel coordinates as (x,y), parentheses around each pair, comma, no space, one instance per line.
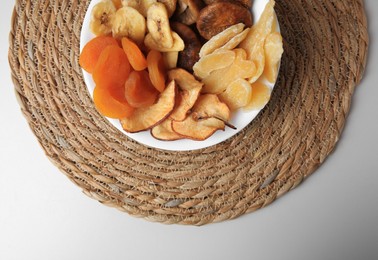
(134,54)
(110,104)
(92,51)
(112,68)
(156,69)
(139,91)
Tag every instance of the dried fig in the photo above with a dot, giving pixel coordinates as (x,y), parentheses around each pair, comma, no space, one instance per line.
(246,3)
(190,55)
(217,17)
(188,11)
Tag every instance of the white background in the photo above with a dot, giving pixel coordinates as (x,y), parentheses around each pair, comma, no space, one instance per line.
(332,215)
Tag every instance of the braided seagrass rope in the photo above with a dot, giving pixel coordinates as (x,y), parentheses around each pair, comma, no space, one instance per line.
(325,55)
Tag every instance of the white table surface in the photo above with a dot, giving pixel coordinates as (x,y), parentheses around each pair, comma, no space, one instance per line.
(332,215)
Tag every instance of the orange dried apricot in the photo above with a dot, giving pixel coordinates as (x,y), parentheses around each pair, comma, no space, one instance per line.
(134,54)
(139,91)
(92,51)
(111,104)
(156,69)
(112,68)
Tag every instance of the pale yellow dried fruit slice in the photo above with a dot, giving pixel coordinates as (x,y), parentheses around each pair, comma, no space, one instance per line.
(170,59)
(164,131)
(221,39)
(254,42)
(140,5)
(158,25)
(212,62)
(178,43)
(273,53)
(148,117)
(235,41)
(102,18)
(237,94)
(218,80)
(260,96)
(128,22)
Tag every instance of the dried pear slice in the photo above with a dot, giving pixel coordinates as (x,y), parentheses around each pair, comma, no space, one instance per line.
(164,131)
(146,118)
(198,130)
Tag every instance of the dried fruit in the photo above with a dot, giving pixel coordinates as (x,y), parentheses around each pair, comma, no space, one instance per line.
(111,104)
(92,51)
(112,68)
(102,18)
(218,80)
(212,62)
(164,131)
(156,70)
(260,96)
(140,5)
(209,106)
(189,56)
(117,3)
(208,116)
(178,43)
(170,5)
(158,25)
(254,42)
(273,52)
(246,3)
(217,17)
(198,130)
(170,59)
(189,90)
(237,94)
(128,22)
(235,41)
(148,117)
(188,11)
(134,54)
(221,39)
(139,91)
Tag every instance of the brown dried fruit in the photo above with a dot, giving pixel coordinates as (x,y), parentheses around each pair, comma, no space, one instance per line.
(217,17)
(187,11)
(246,3)
(190,55)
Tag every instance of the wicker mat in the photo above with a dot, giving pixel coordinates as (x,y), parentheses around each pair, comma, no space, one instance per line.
(325,55)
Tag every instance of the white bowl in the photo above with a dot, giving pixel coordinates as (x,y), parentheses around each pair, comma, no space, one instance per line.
(240,119)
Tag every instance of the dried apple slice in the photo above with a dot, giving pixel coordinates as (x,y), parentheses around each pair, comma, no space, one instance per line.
(146,118)
(164,131)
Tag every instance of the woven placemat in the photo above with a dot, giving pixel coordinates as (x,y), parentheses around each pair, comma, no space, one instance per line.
(325,54)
